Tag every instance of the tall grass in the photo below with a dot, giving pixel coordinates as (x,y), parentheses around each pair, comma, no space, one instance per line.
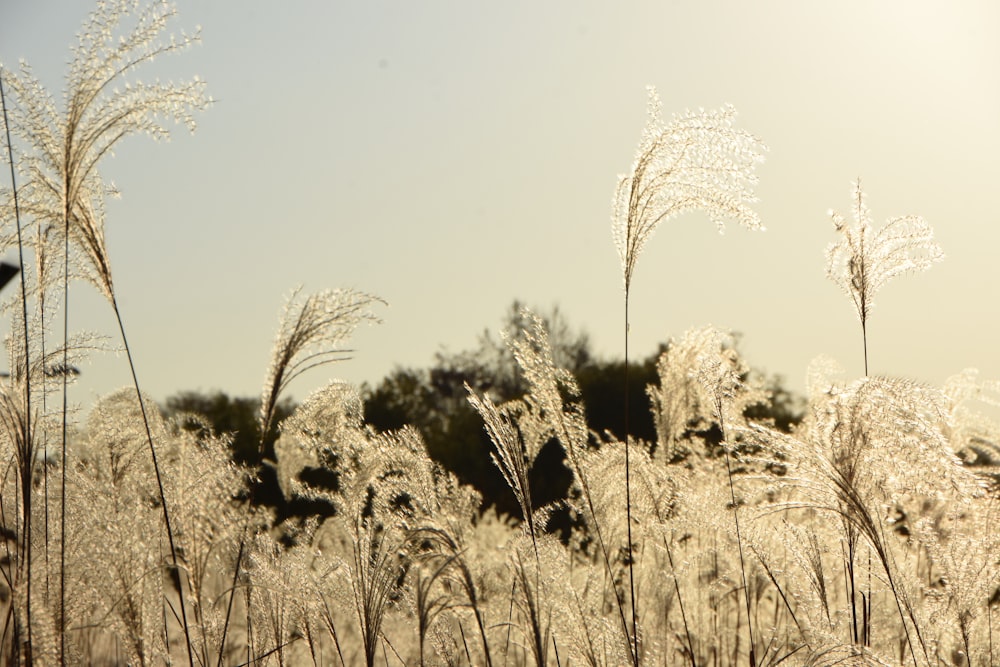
(65,147)
(697,162)
(740,543)
(863,261)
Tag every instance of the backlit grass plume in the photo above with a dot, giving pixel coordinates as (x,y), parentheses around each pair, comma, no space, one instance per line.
(63,147)
(864,260)
(698,161)
(310,335)
(102,105)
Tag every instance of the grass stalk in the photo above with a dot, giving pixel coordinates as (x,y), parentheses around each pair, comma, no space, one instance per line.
(40,272)
(628,502)
(510,621)
(331,627)
(454,557)
(989,625)
(680,601)
(532,600)
(159,484)
(853,509)
(739,537)
(29,462)
(64,437)
(739,544)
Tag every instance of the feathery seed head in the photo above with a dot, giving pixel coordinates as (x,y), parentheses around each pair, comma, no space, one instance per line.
(102,104)
(862,261)
(697,162)
(310,334)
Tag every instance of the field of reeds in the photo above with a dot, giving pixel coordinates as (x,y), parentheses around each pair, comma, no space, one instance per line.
(865,535)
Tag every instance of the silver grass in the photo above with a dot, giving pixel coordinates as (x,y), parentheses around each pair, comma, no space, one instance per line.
(114,521)
(427,601)
(962,547)
(326,430)
(842,655)
(102,104)
(391,500)
(375,571)
(443,553)
(686,396)
(662,487)
(592,638)
(278,596)
(697,161)
(201,483)
(65,146)
(889,437)
(23,425)
(538,568)
(386,487)
(519,429)
(326,586)
(809,556)
(677,403)
(973,430)
(510,455)
(703,547)
(719,375)
(403,483)
(872,446)
(310,334)
(895,431)
(863,260)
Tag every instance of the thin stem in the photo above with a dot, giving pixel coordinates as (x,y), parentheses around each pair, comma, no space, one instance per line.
(680,601)
(628,503)
(989,623)
(264,428)
(159,482)
(739,538)
(864,340)
(868,604)
(28,463)
(849,587)
(232,594)
(510,616)
(65,411)
(45,435)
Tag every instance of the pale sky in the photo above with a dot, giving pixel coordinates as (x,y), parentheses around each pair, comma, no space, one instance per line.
(451,157)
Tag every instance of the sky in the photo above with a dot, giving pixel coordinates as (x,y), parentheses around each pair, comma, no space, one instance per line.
(452,157)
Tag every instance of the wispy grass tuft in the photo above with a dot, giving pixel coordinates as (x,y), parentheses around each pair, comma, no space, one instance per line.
(863,261)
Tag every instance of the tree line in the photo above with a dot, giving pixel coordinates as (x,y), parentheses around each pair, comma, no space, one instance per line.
(434,401)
